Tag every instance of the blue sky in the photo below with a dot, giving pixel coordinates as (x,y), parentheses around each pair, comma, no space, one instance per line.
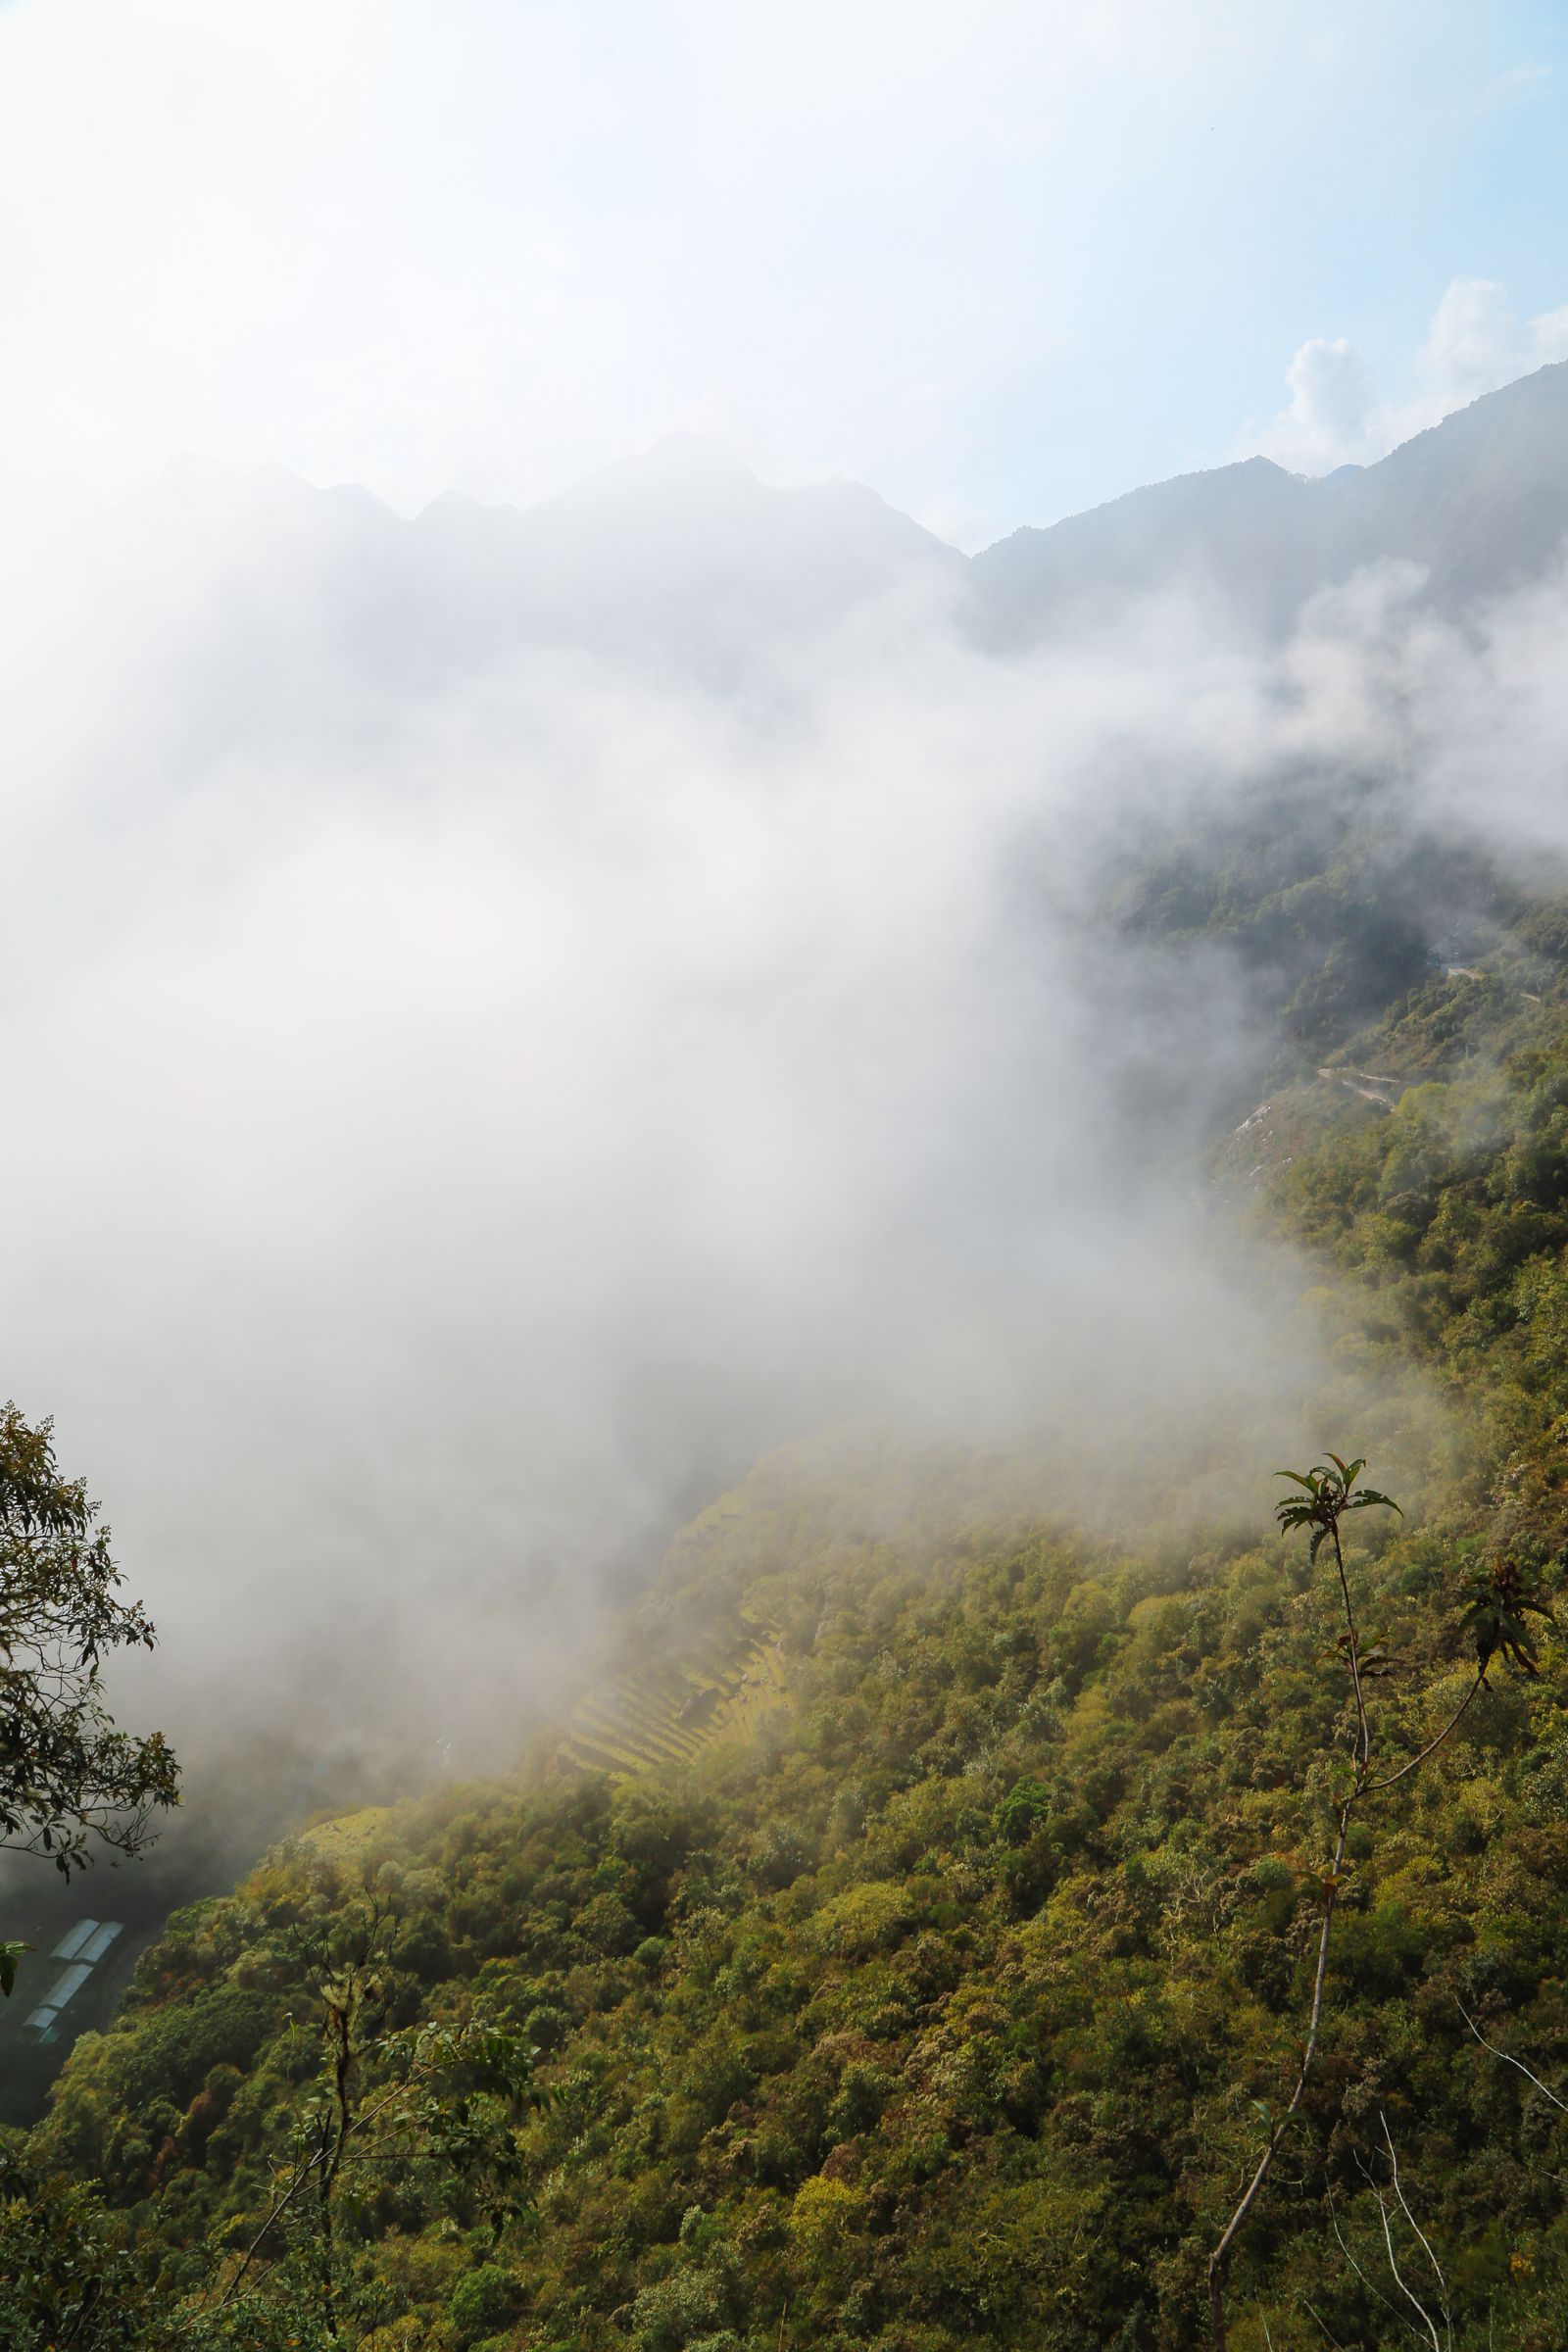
(1002,261)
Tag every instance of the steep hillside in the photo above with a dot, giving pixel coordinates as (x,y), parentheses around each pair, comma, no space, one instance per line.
(937,2016)
(947,1999)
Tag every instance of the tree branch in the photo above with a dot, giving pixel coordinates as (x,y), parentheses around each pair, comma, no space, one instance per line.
(1507,2060)
(1399,2190)
(1373,1786)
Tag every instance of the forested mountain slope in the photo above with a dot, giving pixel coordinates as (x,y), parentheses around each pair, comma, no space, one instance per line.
(946,2002)
(909,1938)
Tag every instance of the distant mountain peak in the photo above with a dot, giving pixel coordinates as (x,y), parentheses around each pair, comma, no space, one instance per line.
(1480,501)
(681,553)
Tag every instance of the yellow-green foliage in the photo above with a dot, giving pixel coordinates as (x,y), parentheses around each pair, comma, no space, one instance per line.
(672,1712)
(934,2014)
(345,1836)
(933,1988)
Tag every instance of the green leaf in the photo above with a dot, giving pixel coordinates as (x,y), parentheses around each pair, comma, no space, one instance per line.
(1365,1497)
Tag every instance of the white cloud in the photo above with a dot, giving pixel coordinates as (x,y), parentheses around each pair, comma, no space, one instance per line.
(1517,83)
(472,1109)
(1336,415)
(483,247)
(490,248)
(1332,415)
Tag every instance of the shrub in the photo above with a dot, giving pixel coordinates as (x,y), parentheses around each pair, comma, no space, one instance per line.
(487,2299)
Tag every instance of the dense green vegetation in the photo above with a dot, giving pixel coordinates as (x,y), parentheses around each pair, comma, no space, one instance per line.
(950,1996)
(934,2012)
(69,1779)
(1450,1216)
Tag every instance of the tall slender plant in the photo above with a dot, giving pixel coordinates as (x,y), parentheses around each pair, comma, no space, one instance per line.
(1499,1601)
(382,2105)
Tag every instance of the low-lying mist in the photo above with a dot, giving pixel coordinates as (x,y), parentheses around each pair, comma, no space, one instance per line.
(460,1115)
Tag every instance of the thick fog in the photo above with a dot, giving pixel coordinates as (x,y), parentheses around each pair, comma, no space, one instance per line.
(462,1110)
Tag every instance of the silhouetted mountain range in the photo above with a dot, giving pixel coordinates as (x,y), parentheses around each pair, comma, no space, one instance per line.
(682,558)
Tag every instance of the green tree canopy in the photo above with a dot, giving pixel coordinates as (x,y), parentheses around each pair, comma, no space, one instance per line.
(67,1774)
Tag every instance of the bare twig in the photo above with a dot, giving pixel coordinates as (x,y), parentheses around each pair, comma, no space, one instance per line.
(1399,2190)
(279,2206)
(1363,1730)
(1374,2291)
(1317,2315)
(1411,2296)
(1373,1788)
(1266,2163)
(1510,2060)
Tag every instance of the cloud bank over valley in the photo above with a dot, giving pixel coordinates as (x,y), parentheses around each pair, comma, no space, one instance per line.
(472,1100)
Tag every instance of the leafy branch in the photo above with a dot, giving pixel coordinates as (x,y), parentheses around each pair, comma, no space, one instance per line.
(67,1774)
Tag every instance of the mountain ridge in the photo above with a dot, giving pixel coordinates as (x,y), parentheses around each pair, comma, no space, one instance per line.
(1275,537)
(682,560)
